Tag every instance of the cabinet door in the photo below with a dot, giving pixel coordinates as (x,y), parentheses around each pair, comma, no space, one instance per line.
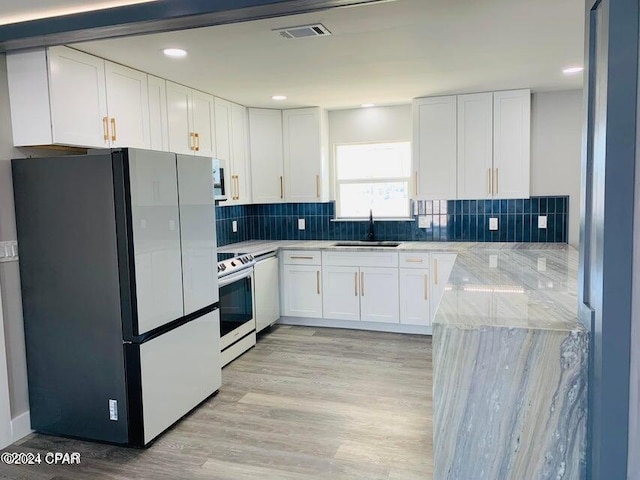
(158,127)
(302,154)
(341,293)
(197,232)
(178,118)
(267,292)
(475,150)
(441,266)
(202,114)
(379,295)
(156,238)
(511,143)
(302,296)
(435,147)
(223,146)
(78,98)
(415,286)
(265,143)
(128,106)
(240,154)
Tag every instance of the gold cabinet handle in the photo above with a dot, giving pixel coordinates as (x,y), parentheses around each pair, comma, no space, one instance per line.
(362,283)
(414,260)
(495,181)
(105,127)
(301,258)
(318,282)
(197,135)
(426,287)
(318,186)
(488,181)
(191,141)
(113,130)
(355,284)
(416,182)
(281,188)
(435,271)
(237,187)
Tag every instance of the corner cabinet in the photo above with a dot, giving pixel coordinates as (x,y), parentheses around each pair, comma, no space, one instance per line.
(265,147)
(190,119)
(434,147)
(302,284)
(61,96)
(305,155)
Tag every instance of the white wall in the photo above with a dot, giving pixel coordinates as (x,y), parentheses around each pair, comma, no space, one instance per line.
(556,142)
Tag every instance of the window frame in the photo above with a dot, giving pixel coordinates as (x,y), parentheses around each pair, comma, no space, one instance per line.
(336,182)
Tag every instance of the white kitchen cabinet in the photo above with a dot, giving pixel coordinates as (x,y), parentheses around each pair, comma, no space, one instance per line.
(475,145)
(435,147)
(190,117)
(305,155)
(267,292)
(441,266)
(158,127)
(265,146)
(302,291)
(511,143)
(356,288)
(415,286)
(128,106)
(231,148)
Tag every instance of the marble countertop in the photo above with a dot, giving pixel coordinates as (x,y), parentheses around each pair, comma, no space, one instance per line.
(512,285)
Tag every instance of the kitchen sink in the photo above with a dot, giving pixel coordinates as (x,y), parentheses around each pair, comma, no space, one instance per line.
(365,243)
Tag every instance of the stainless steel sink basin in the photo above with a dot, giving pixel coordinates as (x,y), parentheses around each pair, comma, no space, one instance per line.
(367,244)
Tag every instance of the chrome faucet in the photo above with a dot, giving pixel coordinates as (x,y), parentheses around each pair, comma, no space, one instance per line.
(371,234)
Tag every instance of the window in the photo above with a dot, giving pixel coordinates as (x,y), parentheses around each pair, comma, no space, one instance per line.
(373,176)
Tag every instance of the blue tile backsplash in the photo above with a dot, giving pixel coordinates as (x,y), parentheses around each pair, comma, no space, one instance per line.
(448,220)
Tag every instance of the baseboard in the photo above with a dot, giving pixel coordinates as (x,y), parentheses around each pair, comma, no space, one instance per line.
(21,426)
(372,326)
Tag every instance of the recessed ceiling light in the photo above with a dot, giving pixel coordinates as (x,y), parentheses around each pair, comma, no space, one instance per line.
(279,97)
(367,105)
(175,52)
(572,70)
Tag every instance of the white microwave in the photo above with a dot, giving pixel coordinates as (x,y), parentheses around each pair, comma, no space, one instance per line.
(218,181)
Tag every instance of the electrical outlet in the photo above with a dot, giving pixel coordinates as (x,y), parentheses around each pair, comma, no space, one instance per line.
(301,224)
(493,223)
(542,221)
(423,221)
(234,226)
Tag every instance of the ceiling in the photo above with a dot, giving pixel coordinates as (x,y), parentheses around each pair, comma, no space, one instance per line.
(19,11)
(382,53)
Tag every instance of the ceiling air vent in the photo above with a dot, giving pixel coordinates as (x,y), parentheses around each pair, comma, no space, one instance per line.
(317,30)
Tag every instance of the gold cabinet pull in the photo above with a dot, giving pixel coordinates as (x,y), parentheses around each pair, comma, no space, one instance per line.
(113,130)
(416,182)
(318,282)
(191,141)
(355,284)
(318,186)
(488,181)
(426,287)
(301,258)
(362,283)
(237,187)
(105,127)
(197,136)
(495,181)
(414,260)
(435,271)
(281,188)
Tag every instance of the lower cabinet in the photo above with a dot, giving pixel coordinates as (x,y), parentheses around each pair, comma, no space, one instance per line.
(267,292)
(441,266)
(341,300)
(302,284)
(379,295)
(415,299)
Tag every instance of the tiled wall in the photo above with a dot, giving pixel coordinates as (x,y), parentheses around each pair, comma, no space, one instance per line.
(452,220)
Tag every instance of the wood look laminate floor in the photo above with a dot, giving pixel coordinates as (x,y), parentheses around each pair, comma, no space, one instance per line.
(305,403)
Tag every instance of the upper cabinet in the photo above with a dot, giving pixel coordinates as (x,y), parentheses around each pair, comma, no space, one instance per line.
(434,147)
(158,126)
(190,118)
(65,97)
(231,148)
(265,146)
(306,164)
(472,146)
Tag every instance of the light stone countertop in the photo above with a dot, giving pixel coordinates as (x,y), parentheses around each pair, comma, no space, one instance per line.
(512,285)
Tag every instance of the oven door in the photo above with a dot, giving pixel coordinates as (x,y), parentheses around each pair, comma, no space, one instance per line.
(236,307)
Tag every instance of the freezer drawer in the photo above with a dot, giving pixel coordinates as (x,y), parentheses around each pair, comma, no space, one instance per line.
(178,371)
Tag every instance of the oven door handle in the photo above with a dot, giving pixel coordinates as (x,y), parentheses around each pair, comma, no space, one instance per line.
(224,281)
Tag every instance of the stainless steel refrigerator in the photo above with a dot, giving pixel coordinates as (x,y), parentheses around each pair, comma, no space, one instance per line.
(119,290)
